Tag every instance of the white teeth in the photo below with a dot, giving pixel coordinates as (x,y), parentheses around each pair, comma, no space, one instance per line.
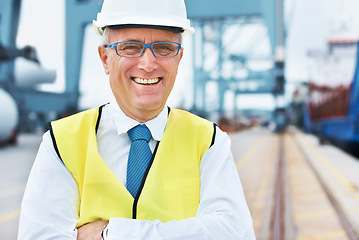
(146,81)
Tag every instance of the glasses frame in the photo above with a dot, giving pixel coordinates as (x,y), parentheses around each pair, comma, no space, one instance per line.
(145,45)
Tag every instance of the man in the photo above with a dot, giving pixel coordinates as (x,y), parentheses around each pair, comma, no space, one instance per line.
(94,179)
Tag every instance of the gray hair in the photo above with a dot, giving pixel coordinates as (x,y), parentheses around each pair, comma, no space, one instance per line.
(106,36)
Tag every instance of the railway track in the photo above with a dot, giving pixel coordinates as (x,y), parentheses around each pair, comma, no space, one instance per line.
(286,196)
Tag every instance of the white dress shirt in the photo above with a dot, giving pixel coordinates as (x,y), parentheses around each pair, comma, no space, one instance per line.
(51,201)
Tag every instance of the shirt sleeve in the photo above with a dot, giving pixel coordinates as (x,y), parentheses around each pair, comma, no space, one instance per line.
(45,212)
(222,212)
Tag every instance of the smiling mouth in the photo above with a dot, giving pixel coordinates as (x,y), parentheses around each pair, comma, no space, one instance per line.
(146,81)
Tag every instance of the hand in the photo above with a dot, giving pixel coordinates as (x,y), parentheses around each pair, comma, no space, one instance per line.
(91,231)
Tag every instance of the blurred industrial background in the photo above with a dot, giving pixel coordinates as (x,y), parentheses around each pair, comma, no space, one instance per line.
(279,65)
(247,63)
(238,49)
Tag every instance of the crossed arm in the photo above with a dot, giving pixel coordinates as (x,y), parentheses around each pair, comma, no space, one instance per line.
(91,231)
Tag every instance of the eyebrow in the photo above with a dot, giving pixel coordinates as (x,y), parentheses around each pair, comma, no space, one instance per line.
(132,40)
(136,40)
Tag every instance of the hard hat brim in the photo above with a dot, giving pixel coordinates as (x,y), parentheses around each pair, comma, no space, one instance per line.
(167,28)
(149,22)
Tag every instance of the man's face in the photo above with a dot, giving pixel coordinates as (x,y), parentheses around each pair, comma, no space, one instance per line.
(140,101)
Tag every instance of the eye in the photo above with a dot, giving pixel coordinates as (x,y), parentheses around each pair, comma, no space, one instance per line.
(129,46)
(129,49)
(164,47)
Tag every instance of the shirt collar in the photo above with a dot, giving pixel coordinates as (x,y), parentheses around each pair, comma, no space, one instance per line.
(124,123)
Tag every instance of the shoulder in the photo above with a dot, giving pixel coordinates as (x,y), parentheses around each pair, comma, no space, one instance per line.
(80,119)
(199,124)
(82,114)
(186,117)
(191,125)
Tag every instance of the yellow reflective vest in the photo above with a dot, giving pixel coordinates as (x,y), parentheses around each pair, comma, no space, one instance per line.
(171,190)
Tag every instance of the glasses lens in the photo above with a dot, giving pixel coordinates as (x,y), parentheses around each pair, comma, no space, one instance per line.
(129,49)
(165,49)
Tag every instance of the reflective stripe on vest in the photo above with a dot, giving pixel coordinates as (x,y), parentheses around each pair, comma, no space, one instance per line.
(171,190)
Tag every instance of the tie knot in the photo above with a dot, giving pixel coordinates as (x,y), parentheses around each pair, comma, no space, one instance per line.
(139,132)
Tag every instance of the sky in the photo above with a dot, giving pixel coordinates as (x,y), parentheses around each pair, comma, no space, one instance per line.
(309,23)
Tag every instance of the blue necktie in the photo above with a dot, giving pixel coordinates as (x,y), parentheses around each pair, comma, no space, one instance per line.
(138,158)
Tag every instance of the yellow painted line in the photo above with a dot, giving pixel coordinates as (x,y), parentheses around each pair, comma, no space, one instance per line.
(329,235)
(316,214)
(12,191)
(310,198)
(354,209)
(9,216)
(255,195)
(250,152)
(251,187)
(257,222)
(257,205)
(336,174)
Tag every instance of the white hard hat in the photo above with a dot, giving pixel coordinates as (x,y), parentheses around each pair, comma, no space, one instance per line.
(166,13)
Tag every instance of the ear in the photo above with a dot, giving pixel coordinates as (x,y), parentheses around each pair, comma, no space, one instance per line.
(180,54)
(103,53)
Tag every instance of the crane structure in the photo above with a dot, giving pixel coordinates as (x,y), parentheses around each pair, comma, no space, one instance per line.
(34,107)
(229,19)
(219,16)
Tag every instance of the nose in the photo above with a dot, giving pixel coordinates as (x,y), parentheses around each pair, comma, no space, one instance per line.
(147,62)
